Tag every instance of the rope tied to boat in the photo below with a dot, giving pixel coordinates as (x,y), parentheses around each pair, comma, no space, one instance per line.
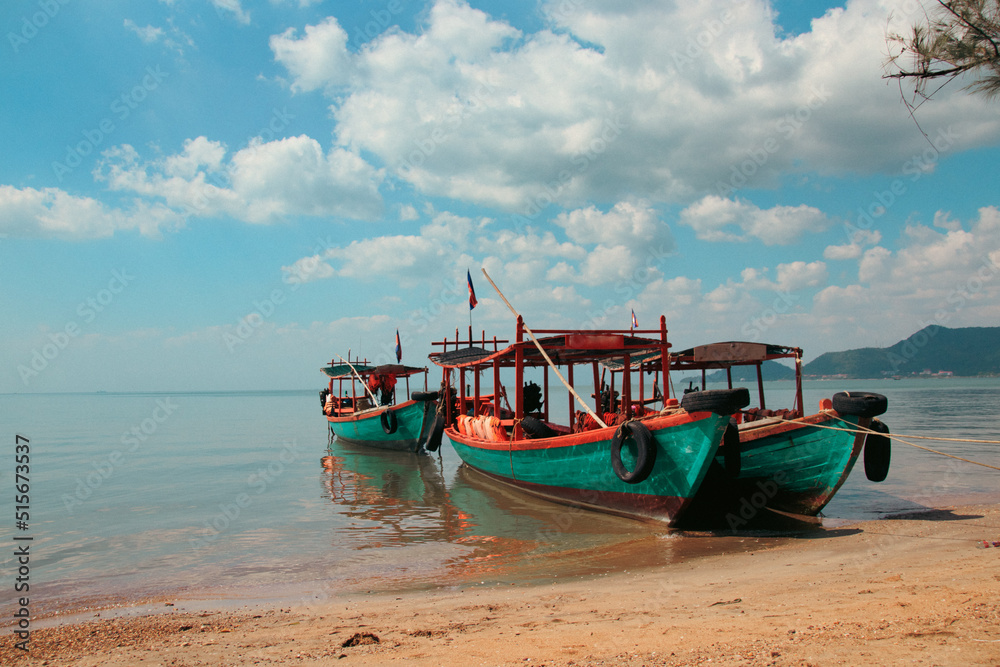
(896,436)
(513,430)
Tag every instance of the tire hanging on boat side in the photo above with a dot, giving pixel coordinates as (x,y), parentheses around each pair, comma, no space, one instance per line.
(645,455)
(719,401)
(433,441)
(878,451)
(860,403)
(389,423)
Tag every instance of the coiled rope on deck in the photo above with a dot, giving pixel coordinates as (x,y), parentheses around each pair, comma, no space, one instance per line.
(896,436)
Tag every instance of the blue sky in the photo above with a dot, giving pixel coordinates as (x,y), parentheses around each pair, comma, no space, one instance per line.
(220,194)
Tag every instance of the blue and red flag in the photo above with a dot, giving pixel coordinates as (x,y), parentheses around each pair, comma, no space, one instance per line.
(472,292)
(399,348)
(635,322)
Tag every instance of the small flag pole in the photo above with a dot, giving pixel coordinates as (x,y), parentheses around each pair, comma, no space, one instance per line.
(473,302)
(545,355)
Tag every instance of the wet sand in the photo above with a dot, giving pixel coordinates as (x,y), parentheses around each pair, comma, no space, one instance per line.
(919,589)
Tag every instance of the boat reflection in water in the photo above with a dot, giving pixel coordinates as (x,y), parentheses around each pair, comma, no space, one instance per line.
(394,498)
(436,522)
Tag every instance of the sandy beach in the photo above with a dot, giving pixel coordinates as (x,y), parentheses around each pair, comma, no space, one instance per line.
(923,589)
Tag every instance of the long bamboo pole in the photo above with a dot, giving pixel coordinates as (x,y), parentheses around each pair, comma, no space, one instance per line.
(361,380)
(547,359)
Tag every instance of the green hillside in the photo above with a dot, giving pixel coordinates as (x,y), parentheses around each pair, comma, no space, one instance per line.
(970,351)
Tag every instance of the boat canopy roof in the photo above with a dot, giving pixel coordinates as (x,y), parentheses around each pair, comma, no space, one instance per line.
(338,371)
(731,353)
(714,355)
(576,347)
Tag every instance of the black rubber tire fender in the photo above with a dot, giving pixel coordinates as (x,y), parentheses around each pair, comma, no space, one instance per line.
(860,403)
(719,401)
(425,395)
(389,423)
(535,428)
(645,452)
(878,452)
(433,441)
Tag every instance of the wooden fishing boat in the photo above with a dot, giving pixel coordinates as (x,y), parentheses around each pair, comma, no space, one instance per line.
(361,407)
(640,456)
(783,459)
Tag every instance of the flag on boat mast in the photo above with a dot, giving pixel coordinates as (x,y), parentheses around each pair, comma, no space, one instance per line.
(635,323)
(399,348)
(472,292)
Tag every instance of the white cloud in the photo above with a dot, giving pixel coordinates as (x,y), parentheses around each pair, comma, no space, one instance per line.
(261,183)
(54,213)
(800,275)
(716,219)
(317,59)
(407,212)
(307,269)
(859,239)
(404,259)
(301,3)
(233,7)
(673,101)
(148,35)
(627,238)
(943,275)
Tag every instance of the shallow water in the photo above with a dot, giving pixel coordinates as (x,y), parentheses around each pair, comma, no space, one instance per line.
(134,496)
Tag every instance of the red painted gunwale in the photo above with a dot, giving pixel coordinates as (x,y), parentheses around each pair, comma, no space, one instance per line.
(573,439)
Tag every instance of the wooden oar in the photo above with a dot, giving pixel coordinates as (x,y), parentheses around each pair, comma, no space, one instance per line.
(360,379)
(547,359)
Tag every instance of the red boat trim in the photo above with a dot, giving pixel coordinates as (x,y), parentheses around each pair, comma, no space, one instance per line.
(367,414)
(572,439)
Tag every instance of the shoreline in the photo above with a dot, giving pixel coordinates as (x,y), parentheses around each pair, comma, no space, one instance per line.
(887,591)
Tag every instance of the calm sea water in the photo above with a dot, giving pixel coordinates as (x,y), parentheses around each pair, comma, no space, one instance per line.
(222,495)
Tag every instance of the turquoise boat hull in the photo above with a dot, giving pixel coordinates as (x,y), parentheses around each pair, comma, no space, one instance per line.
(365,429)
(794,467)
(576,468)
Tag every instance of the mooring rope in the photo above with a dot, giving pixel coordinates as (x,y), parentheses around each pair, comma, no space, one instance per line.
(895,436)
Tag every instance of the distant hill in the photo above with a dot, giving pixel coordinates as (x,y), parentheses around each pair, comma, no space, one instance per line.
(933,350)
